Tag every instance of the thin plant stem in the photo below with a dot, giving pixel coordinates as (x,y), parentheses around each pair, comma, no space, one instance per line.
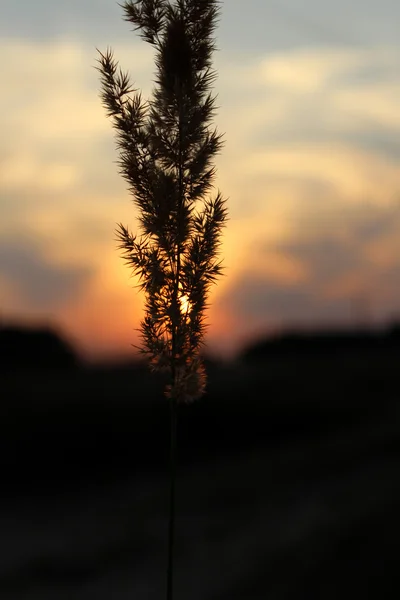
(171,520)
(166,149)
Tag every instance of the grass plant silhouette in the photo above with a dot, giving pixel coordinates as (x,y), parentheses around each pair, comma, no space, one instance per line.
(167,145)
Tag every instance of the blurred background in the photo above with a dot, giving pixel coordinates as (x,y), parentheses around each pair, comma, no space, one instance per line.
(288,476)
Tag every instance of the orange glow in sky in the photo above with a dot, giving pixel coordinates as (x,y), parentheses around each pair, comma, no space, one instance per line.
(311,168)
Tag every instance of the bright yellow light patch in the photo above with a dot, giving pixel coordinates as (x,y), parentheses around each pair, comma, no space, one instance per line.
(185,305)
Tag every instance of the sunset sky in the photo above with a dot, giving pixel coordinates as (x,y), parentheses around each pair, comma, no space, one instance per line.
(309,97)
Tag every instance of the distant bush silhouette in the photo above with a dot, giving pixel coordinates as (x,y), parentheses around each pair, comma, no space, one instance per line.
(34,348)
(394,332)
(324,342)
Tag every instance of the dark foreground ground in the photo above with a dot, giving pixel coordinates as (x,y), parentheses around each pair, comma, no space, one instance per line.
(288,484)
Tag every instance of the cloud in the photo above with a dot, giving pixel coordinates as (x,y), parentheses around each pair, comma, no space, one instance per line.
(314,91)
(326,258)
(310,166)
(55,130)
(39,284)
(57,152)
(351,256)
(259,303)
(308,71)
(296,154)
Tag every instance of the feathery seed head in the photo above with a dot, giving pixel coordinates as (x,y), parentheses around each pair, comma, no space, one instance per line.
(166,151)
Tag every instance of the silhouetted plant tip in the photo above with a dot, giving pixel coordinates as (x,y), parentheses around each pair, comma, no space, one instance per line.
(166,149)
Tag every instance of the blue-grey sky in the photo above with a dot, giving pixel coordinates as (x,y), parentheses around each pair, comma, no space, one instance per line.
(258,26)
(309,96)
